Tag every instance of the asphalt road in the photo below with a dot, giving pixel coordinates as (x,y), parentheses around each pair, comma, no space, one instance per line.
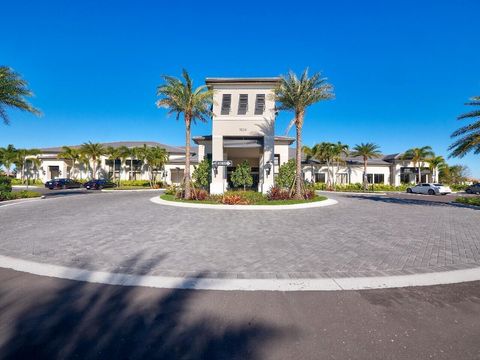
(46,318)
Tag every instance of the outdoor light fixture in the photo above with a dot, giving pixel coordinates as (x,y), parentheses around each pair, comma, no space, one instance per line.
(268,167)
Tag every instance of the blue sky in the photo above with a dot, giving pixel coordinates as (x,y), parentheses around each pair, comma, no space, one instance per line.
(401,69)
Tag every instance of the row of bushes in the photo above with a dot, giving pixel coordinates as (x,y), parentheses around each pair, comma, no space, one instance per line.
(359,187)
(468,200)
(7,194)
(16,181)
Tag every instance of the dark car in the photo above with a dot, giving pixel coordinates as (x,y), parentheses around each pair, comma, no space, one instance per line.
(473,189)
(62,184)
(97,184)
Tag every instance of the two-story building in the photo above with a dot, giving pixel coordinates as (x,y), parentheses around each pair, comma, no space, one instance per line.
(243,129)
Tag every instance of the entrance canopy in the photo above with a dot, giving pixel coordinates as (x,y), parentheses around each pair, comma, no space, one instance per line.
(242,143)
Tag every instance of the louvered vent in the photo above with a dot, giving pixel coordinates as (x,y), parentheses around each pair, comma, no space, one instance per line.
(243,104)
(259,104)
(226,104)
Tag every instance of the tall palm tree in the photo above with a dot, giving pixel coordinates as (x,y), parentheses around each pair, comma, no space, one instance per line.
(418,156)
(36,163)
(469,135)
(297,94)
(13,90)
(434,163)
(366,151)
(72,155)
(8,158)
(93,151)
(123,154)
(179,97)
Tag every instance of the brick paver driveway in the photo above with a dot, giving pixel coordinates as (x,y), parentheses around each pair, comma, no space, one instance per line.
(360,236)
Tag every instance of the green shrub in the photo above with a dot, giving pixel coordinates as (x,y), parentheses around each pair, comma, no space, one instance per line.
(468,200)
(286,175)
(458,187)
(357,187)
(242,177)
(202,174)
(143,183)
(24,194)
(5,187)
(16,181)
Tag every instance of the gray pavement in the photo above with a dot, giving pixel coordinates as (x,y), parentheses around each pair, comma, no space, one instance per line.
(45,318)
(360,236)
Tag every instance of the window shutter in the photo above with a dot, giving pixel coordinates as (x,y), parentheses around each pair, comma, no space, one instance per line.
(243,104)
(226,104)
(260,104)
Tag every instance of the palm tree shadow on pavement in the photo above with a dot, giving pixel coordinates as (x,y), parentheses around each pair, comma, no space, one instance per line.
(73,319)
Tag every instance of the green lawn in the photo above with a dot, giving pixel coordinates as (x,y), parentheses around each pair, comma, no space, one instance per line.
(24,194)
(257,201)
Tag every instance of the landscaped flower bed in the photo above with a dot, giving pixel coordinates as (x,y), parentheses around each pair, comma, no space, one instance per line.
(468,200)
(240,197)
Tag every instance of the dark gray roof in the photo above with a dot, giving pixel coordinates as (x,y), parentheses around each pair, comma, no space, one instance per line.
(348,159)
(271,80)
(115,144)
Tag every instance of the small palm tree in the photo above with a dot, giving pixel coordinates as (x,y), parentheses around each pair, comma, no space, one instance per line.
(13,90)
(469,135)
(72,155)
(93,151)
(434,163)
(155,158)
(297,94)
(179,97)
(21,160)
(418,156)
(8,158)
(366,151)
(113,154)
(340,152)
(129,153)
(325,152)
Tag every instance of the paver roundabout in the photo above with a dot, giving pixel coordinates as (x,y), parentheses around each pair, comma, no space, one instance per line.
(361,236)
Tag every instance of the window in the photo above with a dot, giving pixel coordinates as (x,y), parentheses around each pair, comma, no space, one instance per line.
(276,160)
(260,104)
(320,177)
(243,104)
(226,104)
(375,178)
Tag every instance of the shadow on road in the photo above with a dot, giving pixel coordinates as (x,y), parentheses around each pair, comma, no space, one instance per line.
(92,321)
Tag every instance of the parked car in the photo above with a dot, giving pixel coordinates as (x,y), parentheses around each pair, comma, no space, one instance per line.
(97,184)
(473,189)
(430,189)
(62,184)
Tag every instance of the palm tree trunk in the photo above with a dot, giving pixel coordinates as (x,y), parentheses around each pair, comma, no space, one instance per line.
(94,167)
(419,174)
(298,152)
(187,158)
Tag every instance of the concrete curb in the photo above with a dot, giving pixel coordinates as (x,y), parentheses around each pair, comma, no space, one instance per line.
(19,201)
(321,284)
(130,190)
(351,192)
(328,202)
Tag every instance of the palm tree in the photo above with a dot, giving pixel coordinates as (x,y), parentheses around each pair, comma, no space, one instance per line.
(297,94)
(8,158)
(113,154)
(434,163)
(469,135)
(155,158)
(418,156)
(325,153)
(36,164)
(13,90)
(179,97)
(21,158)
(93,151)
(366,151)
(72,155)
(310,154)
(340,152)
(129,153)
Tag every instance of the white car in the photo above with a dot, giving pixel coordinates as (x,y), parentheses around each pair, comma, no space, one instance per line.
(430,189)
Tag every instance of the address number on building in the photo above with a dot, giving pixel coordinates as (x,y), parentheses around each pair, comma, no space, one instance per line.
(222,163)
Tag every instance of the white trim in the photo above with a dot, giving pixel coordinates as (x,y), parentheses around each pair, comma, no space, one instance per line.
(319,284)
(313,204)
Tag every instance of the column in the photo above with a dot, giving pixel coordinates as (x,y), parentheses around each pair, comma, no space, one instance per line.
(268,157)
(217,186)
